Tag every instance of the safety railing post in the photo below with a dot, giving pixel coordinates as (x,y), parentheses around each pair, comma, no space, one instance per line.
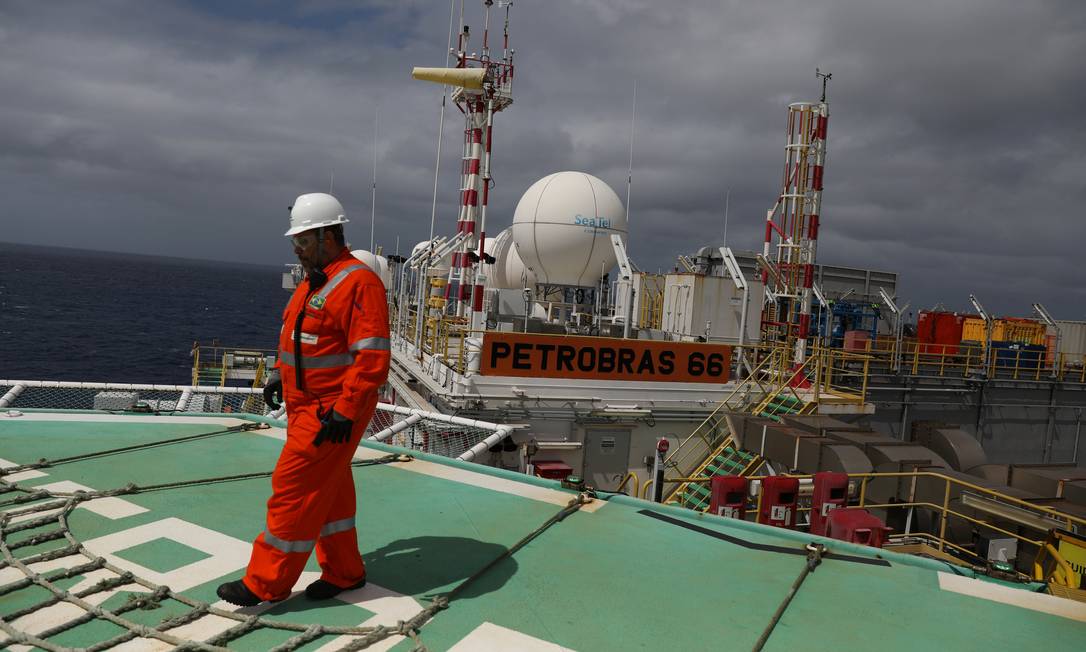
(942,523)
(863,490)
(863,391)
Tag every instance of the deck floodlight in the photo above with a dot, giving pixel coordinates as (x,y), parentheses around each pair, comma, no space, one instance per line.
(889,301)
(733,268)
(769,269)
(979,308)
(1041,312)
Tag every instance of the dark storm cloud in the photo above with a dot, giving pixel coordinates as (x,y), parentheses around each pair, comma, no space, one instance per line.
(955,151)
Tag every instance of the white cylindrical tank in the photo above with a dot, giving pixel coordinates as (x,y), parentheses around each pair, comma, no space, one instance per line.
(439,267)
(379,264)
(562,228)
(508,271)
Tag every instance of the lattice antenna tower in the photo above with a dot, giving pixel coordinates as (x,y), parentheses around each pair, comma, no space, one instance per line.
(791,232)
(483,86)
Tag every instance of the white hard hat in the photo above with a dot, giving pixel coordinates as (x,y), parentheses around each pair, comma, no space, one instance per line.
(314,210)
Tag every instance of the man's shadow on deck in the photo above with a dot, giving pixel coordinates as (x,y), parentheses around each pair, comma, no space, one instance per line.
(427,566)
(422,567)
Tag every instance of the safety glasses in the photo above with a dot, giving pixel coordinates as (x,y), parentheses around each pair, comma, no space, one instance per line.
(303,240)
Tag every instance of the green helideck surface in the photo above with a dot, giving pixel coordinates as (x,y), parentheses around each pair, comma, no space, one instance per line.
(628,576)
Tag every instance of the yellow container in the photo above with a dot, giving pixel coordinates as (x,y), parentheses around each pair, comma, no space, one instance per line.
(1026,332)
(973,330)
(1003,330)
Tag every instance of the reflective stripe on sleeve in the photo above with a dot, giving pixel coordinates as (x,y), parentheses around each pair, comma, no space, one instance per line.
(283,545)
(318,361)
(371,344)
(334,527)
(336,280)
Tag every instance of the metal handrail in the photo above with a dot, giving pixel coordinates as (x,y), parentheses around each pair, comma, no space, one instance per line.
(944,510)
(965,360)
(1063,574)
(630,475)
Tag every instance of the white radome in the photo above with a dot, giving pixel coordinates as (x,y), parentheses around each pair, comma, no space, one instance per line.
(508,271)
(379,264)
(562,228)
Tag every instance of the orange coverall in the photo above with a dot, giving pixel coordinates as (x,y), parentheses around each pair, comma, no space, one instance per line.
(340,331)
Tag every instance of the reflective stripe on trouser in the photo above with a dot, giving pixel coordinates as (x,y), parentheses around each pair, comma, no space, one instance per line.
(312,507)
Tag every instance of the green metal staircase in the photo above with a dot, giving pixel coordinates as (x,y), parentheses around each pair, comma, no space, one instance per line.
(725,460)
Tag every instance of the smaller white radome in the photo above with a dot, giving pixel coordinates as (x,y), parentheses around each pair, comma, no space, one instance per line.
(379,264)
(508,271)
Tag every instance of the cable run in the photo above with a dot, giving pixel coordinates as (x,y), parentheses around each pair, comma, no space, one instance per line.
(44,463)
(814,558)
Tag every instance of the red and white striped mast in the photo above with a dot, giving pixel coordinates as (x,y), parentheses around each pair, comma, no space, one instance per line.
(483,87)
(791,233)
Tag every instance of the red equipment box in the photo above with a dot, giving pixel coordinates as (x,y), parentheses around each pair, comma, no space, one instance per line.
(830,492)
(552,470)
(856,340)
(939,333)
(778,503)
(729,496)
(857,525)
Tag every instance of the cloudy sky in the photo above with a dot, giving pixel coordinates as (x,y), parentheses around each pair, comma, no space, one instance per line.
(956,151)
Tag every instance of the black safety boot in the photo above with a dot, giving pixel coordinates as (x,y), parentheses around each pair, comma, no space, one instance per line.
(321,590)
(237,593)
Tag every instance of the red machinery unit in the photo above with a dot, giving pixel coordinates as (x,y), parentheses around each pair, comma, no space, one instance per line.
(856,525)
(778,504)
(552,470)
(729,496)
(939,333)
(830,492)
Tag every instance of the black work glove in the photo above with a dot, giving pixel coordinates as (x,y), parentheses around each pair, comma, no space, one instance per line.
(335,428)
(273,390)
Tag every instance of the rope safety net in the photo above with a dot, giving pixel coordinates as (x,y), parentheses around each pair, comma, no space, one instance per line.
(40,556)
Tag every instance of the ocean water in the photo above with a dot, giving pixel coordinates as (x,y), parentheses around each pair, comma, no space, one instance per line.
(69,314)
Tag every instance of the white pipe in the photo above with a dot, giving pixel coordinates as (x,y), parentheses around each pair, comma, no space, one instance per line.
(395,428)
(183,402)
(470,454)
(11,394)
(200,389)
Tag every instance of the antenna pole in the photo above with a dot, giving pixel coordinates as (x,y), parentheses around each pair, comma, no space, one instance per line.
(825,78)
(629,171)
(373,194)
(441,120)
(727,200)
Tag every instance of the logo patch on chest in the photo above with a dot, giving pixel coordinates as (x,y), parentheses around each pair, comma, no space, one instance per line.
(308,338)
(317,302)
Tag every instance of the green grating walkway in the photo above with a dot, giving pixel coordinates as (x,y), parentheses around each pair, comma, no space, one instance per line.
(615,575)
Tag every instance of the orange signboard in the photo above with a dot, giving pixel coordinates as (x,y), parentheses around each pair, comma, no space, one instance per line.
(603,358)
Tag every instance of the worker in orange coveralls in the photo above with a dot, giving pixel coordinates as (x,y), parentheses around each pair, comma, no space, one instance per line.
(333,357)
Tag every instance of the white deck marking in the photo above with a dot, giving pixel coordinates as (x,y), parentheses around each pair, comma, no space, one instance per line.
(227,553)
(110,507)
(1042,602)
(62,612)
(488,637)
(464,476)
(21,475)
(389,608)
